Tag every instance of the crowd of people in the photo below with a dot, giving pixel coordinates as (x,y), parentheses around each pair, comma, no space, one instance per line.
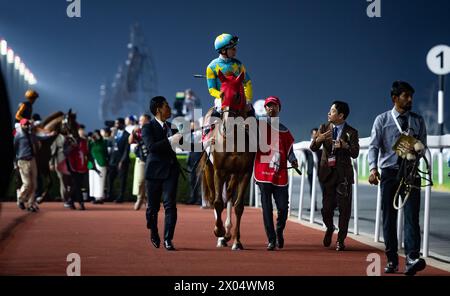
(87,165)
(98,158)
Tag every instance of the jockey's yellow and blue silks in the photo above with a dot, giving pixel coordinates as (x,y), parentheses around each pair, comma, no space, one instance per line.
(227,66)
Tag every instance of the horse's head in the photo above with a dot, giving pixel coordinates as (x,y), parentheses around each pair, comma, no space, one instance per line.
(69,125)
(233,91)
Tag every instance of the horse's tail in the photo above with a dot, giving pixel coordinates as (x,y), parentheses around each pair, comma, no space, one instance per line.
(201,174)
(204,171)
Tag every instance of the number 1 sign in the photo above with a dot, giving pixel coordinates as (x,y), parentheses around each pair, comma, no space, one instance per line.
(438,60)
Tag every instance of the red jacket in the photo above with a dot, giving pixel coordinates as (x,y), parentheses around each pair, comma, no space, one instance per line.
(271,166)
(78,157)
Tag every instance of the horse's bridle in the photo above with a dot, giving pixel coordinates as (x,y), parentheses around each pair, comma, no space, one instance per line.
(66,127)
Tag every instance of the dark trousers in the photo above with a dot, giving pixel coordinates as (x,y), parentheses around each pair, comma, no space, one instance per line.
(337,192)
(167,188)
(194,178)
(113,172)
(281,196)
(389,186)
(75,188)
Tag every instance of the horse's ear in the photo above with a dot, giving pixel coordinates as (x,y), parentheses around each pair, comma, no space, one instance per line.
(70,111)
(241,77)
(222,77)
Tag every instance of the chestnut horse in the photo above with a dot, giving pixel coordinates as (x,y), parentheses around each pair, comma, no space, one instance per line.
(230,168)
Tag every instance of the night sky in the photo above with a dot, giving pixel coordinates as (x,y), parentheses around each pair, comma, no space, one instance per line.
(307,52)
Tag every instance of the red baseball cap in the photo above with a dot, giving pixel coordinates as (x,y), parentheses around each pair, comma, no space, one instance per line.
(274,100)
(24,121)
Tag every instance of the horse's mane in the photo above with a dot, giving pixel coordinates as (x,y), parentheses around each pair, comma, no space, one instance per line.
(50,122)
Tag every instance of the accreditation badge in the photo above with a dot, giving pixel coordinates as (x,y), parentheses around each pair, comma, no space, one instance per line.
(332,161)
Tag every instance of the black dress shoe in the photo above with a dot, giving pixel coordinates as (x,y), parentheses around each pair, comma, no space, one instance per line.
(340,246)
(280,241)
(169,246)
(156,241)
(328,236)
(270,247)
(414,265)
(391,267)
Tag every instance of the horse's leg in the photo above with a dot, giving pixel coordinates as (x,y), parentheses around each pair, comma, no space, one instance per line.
(219,230)
(229,199)
(222,241)
(239,209)
(47,183)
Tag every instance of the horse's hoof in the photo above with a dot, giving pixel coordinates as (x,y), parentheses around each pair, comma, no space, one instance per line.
(237,247)
(221,243)
(219,232)
(227,238)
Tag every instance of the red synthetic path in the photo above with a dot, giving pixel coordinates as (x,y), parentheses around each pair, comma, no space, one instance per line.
(113,240)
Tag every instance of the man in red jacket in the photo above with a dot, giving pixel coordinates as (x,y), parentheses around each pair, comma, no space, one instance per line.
(272,176)
(78,160)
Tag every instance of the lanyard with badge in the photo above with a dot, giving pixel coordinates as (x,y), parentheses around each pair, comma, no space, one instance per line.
(398,124)
(332,157)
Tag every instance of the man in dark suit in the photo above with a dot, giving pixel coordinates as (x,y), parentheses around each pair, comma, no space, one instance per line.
(340,144)
(161,171)
(119,160)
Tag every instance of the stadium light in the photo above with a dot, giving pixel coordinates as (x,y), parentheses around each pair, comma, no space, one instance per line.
(32,80)
(22,68)
(10,56)
(17,61)
(3,47)
(27,74)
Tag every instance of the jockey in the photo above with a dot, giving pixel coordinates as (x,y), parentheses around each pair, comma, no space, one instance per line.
(271,173)
(225,45)
(26,108)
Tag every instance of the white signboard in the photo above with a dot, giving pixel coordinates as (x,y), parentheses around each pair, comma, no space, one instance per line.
(438,60)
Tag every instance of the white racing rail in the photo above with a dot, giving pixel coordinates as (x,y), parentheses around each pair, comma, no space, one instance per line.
(436,145)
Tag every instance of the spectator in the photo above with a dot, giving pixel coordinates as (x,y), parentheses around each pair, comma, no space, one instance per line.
(178,105)
(85,186)
(191,102)
(78,157)
(139,167)
(99,152)
(130,123)
(192,162)
(58,164)
(119,161)
(25,144)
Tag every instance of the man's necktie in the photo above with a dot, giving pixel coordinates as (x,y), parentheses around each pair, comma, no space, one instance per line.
(335,133)
(403,121)
(165,129)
